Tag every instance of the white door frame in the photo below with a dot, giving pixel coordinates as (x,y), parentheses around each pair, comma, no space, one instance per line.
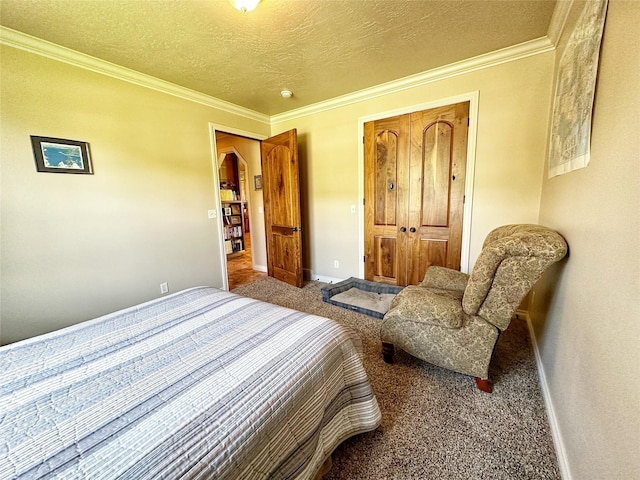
(472,98)
(213,128)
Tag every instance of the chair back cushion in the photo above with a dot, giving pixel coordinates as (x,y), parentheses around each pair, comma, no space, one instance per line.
(512,260)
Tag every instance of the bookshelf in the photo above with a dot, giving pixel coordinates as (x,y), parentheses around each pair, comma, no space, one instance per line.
(233,220)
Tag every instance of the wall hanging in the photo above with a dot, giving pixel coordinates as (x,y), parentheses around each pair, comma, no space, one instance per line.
(570,141)
(58,155)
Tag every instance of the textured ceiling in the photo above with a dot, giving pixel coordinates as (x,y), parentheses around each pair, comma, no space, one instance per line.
(319,49)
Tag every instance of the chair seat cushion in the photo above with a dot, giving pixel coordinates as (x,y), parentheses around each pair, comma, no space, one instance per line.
(430,306)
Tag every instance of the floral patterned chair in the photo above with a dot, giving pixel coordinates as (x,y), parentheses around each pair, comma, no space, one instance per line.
(453,320)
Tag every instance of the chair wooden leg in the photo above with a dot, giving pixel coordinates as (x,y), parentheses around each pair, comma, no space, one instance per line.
(484,385)
(387,352)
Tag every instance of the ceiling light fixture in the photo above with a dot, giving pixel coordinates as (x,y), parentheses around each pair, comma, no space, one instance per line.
(245,5)
(286,93)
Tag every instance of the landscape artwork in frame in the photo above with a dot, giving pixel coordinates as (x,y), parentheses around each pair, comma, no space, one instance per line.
(58,155)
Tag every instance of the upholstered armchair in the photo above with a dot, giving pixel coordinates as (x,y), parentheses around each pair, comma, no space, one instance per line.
(452,319)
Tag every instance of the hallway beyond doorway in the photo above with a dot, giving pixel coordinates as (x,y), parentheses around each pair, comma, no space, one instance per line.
(239,268)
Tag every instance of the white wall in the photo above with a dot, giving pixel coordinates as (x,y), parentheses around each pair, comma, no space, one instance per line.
(77,246)
(586,312)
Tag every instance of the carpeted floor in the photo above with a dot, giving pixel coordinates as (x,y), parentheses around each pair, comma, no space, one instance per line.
(435,423)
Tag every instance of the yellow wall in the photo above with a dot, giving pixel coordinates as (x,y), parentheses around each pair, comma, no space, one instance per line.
(87,245)
(512,127)
(77,246)
(586,313)
(74,247)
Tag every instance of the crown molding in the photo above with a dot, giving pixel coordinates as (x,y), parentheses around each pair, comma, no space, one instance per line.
(558,20)
(47,49)
(509,54)
(50,50)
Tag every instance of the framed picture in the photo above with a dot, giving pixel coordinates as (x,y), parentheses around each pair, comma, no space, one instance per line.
(257,182)
(58,155)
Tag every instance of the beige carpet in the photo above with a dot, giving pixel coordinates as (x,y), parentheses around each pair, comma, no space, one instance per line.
(435,423)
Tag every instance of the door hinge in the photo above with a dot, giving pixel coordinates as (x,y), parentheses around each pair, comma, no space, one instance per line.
(363,200)
(468,120)
(464,198)
(364,258)
(363,139)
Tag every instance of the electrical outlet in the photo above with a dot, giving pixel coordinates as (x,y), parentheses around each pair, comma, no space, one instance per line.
(336,264)
(164,288)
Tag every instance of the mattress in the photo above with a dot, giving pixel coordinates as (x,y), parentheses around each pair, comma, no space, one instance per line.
(201,384)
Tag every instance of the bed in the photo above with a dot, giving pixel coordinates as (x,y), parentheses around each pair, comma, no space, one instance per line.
(201,384)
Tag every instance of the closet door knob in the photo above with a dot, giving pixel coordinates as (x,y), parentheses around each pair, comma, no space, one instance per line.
(403,229)
(412,229)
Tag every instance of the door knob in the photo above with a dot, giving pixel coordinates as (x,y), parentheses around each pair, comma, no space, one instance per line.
(403,229)
(412,229)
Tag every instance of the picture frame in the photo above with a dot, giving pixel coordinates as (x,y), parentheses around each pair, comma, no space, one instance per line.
(257,182)
(59,155)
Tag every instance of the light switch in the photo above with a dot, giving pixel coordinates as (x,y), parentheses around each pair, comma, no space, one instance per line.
(212,213)
(353,209)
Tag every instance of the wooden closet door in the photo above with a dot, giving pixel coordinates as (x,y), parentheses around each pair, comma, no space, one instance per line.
(415,167)
(437,178)
(386,154)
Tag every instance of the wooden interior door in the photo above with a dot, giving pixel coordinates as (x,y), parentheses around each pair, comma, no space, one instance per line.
(281,194)
(386,193)
(438,170)
(420,224)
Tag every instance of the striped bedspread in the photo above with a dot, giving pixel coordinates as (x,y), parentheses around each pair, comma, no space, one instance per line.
(200,384)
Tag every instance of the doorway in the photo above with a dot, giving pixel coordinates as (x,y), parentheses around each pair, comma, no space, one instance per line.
(241,208)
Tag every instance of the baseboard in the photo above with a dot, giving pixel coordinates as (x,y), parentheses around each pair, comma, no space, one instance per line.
(551,413)
(309,275)
(259,268)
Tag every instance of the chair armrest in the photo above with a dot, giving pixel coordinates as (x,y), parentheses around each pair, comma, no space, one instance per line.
(418,304)
(445,278)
